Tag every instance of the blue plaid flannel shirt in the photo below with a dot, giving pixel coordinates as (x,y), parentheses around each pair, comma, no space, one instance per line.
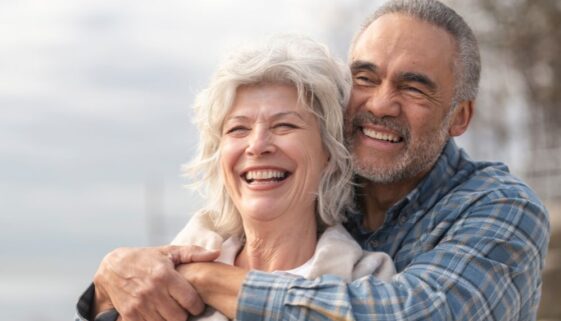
(468,242)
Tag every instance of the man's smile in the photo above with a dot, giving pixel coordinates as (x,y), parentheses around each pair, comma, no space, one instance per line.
(384,136)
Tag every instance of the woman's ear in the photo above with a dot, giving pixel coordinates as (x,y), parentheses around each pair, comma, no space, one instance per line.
(461,118)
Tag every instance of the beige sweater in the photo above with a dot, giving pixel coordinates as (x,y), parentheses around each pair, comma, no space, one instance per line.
(336,253)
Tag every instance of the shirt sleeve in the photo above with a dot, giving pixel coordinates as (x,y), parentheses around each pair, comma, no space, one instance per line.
(486,266)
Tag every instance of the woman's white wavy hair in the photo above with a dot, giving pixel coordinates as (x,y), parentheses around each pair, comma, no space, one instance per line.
(323,85)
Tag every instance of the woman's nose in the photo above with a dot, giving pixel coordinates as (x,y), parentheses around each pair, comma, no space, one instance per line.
(260,143)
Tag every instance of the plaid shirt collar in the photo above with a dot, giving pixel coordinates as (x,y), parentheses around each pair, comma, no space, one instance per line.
(451,168)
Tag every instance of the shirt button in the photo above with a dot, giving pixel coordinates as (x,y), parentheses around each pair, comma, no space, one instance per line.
(402,219)
(374,243)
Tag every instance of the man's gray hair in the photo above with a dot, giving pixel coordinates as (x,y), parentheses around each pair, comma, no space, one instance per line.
(467,66)
(323,85)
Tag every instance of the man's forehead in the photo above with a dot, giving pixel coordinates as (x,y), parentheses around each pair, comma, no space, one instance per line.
(402,28)
(398,37)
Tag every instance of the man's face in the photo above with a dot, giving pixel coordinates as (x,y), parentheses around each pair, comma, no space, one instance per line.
(403,85)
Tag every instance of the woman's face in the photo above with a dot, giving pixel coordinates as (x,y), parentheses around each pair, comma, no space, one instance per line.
(272,155)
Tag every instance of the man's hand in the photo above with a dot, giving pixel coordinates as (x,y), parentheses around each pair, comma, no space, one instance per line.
(143,285)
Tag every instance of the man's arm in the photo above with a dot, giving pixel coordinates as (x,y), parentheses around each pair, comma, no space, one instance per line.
(486,267)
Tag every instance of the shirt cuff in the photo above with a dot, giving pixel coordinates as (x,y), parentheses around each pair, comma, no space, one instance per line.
(85,302)
(262,296)
(84,308)
(109,315)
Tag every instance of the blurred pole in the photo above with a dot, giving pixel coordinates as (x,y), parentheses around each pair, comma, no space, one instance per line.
(154,204)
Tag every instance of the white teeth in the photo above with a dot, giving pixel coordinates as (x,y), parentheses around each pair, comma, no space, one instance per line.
(381,136)
(264,174)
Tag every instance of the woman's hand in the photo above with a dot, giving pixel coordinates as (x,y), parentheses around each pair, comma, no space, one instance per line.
(142,283)
(217,284)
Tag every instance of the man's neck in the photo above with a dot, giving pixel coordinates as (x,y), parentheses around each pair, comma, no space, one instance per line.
(377,198)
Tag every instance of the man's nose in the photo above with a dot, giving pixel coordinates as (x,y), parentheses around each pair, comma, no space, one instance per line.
(260,142)
(383,102)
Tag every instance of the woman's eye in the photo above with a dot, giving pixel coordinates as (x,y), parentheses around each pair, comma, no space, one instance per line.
(237,129)
(285,125)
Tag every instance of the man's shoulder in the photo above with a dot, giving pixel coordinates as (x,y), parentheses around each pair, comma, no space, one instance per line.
(489,192)
(491,181)
(483,198)
(460,186)
(457,179)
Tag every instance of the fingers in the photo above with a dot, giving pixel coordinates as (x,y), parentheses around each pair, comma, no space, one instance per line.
(170,310)
(160,307)
(137,281)
(165,304)
(204,255)
(143,284)
(138,309)
(189,254)
(186,295)
(129,313)
(175,313)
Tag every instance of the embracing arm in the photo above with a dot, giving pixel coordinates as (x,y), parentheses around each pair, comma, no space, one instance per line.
(218,284)
(486,267)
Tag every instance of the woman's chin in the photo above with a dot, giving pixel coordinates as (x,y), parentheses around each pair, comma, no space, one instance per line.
(263,212)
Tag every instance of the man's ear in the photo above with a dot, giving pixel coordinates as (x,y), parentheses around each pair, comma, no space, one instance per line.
(461,118)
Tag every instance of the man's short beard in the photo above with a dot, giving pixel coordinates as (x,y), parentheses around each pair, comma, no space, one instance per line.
(419,156)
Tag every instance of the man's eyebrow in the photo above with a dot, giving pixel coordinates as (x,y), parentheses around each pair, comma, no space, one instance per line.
(419,78)
(361,65)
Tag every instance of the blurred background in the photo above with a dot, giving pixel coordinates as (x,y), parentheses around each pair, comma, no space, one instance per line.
(95,121)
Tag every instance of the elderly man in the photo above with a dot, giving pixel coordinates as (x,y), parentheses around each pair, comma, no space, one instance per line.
(468,239)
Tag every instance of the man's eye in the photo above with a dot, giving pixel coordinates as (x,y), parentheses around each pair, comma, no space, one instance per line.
(414,90)
(362,80)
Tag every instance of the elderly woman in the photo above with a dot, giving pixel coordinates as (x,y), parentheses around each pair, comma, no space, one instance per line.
(273,166)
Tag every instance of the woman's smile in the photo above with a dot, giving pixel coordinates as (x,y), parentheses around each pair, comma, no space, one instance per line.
(264,179)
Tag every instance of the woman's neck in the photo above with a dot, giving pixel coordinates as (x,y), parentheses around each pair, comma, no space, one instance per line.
(278,245)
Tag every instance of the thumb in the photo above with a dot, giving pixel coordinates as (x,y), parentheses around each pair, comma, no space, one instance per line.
(191,253)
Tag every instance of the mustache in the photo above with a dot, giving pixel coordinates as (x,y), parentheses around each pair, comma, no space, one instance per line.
(363,118)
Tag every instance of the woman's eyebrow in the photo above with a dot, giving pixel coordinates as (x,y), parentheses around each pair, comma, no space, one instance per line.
(286,114)
(275,116)
(235,117)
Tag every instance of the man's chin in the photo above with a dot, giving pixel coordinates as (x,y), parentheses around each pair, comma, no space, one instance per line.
(379,173)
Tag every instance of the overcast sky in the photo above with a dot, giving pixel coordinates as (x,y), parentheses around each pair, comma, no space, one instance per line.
(95,101)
